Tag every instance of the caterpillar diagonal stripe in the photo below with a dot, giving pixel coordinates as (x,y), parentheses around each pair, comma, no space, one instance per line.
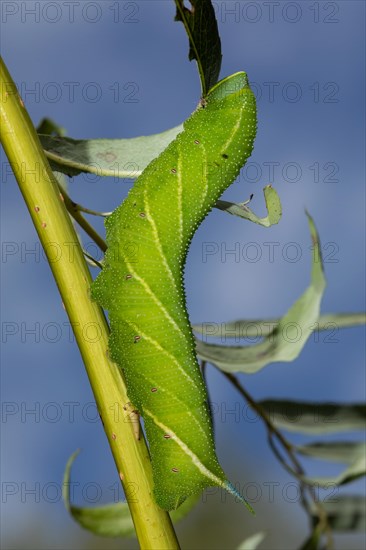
(141,285)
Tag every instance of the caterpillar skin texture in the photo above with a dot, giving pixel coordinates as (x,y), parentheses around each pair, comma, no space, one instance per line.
(141,285)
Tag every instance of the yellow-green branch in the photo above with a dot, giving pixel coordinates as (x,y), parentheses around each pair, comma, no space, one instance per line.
(52,222)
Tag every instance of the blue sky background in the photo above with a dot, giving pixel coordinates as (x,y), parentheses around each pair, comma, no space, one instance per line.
(311,130)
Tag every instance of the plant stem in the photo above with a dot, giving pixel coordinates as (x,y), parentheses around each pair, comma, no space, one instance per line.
(52,222)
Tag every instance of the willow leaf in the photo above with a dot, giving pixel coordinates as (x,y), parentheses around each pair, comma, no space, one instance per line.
(263,328)
(346,513)
(356,461)
(273,205)
(120,158)
(315,418)
(204,40)
(287,339)
(111,520)
(334,451)
(50,127)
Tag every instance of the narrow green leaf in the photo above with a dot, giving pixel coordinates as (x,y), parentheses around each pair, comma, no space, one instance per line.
(356,461)
(121,158)
(263,328)
(66,480)
(50,127)
(346,513)
(315,418)
(204,40)
(334,451)
(251,543)
(341,320)
(287,339)
(111,520)
(273,205)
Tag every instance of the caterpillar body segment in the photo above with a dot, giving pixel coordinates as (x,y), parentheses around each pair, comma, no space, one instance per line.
(141,285)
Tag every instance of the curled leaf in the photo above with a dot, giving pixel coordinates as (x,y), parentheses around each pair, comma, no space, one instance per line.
(273,205)
(111,520)
(289,336)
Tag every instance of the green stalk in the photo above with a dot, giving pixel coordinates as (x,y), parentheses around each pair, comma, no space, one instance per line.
(52,222)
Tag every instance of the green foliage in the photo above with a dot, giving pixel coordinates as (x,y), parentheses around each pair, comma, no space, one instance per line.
(273,205)
(266,327)
(288,338)
(347,513)
(120,158)
(347,452)
(204,40)
(315,418)
(111,520)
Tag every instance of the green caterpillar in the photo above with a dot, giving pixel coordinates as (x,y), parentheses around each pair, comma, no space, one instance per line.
(141,285)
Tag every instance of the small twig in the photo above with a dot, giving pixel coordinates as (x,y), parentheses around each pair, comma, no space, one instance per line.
(298,470)
(74,211)
(91,261)
(92,212)
(296,473)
